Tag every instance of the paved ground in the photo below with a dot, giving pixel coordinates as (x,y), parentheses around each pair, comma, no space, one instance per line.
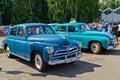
(1,38)
(104,66)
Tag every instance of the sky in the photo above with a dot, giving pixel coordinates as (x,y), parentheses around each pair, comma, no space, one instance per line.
(100,1)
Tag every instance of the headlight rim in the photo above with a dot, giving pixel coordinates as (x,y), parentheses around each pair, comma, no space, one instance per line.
(50,49)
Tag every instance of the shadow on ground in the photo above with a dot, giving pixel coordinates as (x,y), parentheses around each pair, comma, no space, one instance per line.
(105,52)
(112,52)
(64,70)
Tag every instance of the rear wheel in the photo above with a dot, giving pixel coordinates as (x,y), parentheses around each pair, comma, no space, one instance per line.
(7,50)
(95,47)
(39,64)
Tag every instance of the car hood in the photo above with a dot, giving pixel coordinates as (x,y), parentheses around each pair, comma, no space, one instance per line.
(49,38)
(98,33)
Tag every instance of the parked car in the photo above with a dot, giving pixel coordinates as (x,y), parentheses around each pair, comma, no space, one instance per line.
(37,42)
(96,41)
(52,24)
(4,30)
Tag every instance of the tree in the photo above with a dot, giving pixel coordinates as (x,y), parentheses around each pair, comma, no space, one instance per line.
(110,3)
(5,10)
(40,10)
(63,10)
(45,11)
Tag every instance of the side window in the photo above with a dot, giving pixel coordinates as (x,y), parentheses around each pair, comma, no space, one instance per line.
(31,30)
(39,30)
(48,30)
(72,29)
(62,29)
(82,27)
(13,32)
(21,32)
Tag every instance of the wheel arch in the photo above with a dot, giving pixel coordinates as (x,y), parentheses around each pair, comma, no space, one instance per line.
(5,45)
(94,41)
(32,54)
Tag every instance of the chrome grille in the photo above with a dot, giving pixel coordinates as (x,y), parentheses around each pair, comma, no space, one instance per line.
(112,42)
(67,51)
(62,53)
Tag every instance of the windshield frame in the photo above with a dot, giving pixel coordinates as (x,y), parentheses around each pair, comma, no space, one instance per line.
(84,28)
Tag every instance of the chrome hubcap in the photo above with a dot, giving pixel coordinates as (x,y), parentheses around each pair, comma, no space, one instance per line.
(94,47)
(8,51)
(38,61)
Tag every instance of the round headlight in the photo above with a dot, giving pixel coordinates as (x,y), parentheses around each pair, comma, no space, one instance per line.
(50,50)
(79,45)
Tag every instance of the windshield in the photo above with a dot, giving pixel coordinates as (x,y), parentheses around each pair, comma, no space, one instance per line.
(39,30)
(84,27)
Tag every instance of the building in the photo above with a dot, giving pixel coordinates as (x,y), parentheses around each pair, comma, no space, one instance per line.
(111,15)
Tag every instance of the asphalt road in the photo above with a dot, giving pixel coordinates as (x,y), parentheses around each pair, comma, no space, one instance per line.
(103,66)
(1,38)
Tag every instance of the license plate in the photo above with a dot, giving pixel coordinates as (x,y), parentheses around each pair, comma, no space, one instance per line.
(70,60)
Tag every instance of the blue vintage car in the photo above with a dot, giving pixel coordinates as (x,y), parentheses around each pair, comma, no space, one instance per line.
(96,41)
(37,42)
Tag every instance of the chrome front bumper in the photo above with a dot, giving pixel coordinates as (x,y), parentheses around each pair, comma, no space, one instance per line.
(66,60)
(111,47)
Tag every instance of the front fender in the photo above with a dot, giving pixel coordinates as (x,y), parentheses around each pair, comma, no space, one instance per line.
(102,40)
(74,42)
(41,48)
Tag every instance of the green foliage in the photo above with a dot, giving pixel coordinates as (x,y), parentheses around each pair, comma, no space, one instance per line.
(110,3)
(81,10)
(47,11)
(23,11)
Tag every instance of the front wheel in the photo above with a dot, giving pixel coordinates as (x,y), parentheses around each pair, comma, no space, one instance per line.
(39,64)
(95,47)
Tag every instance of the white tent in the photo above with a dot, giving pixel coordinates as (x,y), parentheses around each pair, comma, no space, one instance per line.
(111,15)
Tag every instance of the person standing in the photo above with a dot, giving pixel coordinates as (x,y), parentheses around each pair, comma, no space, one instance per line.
(10,26)
(111,26)
(93,26)
(115,31)
(106,27)
(118,30)
(72,20)
(100,26)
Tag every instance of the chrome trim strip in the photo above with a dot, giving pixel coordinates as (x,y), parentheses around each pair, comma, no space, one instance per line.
(66,60)
(20,56)
(66,52)
(64,55)
(111,47)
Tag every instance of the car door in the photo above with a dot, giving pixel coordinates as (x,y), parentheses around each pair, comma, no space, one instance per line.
(11,40)
(20,42)
(74,32)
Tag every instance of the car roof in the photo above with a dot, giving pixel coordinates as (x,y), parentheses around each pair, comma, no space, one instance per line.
(72,23)
(52,24)
(31,24)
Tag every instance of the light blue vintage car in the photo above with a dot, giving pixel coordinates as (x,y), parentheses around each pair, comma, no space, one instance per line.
(96,41)
(37,42)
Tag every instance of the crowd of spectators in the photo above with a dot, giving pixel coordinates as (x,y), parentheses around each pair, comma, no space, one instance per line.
(114,28)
